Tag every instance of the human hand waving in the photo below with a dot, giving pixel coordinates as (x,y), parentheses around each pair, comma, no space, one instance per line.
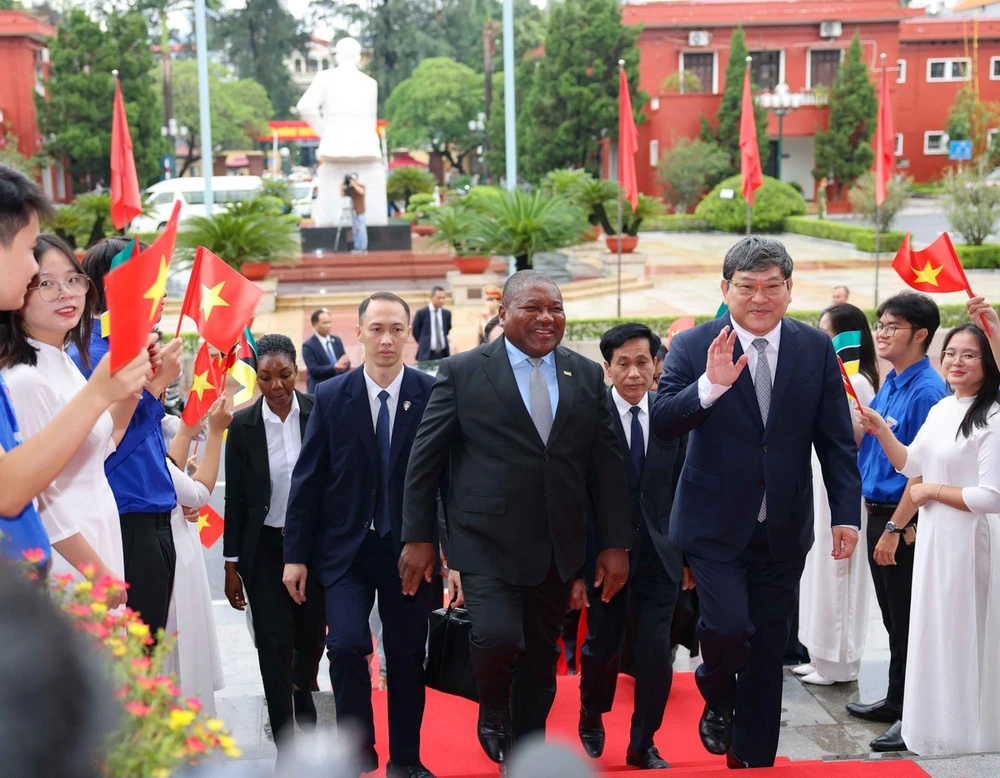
(720,367)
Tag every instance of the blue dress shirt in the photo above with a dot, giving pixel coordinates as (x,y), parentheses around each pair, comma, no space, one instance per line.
(903,401)
(522,374)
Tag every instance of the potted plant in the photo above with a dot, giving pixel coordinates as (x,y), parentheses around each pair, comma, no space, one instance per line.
(418,211)
(249,236)
(632,219)
(458,227)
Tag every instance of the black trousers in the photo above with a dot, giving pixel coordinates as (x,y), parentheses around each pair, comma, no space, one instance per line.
(289,637)
(746,606)
(404,634)
(892,589)
(514,645)
(653,595)
(150,559)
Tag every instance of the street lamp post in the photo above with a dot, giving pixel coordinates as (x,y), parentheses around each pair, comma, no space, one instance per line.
(478,125)
(781,101)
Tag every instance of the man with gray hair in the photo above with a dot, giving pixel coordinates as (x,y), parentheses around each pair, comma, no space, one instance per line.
(755,392)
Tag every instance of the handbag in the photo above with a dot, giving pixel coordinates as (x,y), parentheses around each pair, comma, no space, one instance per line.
(449,664)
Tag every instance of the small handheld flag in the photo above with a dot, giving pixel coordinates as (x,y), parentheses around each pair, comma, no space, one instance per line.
(723,310)
(204,388)
(848,386)
(244,367)
(210,526)
(848,348)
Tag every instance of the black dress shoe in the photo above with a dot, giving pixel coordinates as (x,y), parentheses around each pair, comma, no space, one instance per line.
(407,771)
(716,730)
(649,760)
(591,731)
(495,733)
(733,762)
(882,711)
(305,709)
(891,740)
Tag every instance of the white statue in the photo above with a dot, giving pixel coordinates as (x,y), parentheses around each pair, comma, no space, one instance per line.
(341,105)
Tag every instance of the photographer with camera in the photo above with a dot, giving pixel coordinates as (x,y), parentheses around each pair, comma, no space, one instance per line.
(354,189)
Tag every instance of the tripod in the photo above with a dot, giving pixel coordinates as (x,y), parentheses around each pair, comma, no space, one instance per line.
(346,213)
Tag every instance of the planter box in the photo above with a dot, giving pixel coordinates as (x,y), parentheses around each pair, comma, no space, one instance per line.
(629,242)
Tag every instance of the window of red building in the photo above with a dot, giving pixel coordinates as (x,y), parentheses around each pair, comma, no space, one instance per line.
(823,67)
(766,69)
(701,64)
(951,69)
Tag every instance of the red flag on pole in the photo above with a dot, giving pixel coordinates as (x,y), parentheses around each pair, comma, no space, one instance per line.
(936,268)
(749,155)
(210,526)
(885,142)
(205,387)
(628,142)
(126,203)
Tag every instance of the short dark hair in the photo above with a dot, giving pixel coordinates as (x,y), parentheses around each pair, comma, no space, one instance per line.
(435,289)
(97,263)
(618,336)
(316,314)
(661,352)
(491,325)
(14,346)
(522,279)
(388,297)
(280,345)
(19,198)
(755,253)
(916,309)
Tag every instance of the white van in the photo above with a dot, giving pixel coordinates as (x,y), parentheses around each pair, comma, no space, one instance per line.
(191,193)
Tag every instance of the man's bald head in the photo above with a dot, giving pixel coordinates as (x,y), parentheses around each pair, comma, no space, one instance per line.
(520,281)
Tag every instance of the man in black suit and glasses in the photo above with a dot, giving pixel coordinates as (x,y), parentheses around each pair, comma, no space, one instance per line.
(521,423)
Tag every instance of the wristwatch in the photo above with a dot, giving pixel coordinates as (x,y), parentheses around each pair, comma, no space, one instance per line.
(890,527)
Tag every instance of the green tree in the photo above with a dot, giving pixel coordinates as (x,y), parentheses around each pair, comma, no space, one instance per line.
(496,131)
(77,113)
(240,108)
(573,102)
(862,197)
(434,107)
(844,148)
(972,204)
(727,134)
(969,119)
(689,169)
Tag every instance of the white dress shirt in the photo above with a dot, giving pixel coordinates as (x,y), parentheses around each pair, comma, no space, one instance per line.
(625,412)
(284,442)
(391,401)
(709,393)
(327,342)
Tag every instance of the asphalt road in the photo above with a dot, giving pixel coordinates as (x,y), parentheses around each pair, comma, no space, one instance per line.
(923,218)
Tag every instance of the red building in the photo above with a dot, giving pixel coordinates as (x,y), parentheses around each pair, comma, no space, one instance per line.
(801,44)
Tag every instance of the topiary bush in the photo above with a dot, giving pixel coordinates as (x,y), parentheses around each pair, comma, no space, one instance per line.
(986,256)
(773,203)
(862,237)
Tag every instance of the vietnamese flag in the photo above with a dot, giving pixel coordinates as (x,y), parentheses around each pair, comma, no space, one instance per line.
(628,142)
(210,526)
(204,388)
(885,142)
(750,169)
(134,291)
(219,300)
(126,202)
(934,269)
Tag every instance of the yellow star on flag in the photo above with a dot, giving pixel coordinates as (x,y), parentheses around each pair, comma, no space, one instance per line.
(201,384)
(928,275)
(210,298)
(202,521)
(156,292)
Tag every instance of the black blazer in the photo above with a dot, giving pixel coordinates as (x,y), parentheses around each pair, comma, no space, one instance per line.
(651,497)
(248,481)
(317,359)
(514,503)
(335,483)
(422,331)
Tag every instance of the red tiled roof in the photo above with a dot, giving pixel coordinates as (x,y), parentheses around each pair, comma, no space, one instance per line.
(23,24)
(723,13)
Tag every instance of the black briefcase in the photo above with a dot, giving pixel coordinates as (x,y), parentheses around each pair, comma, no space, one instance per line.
(449,666)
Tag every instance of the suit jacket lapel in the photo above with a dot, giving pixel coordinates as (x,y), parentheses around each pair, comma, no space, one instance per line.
(501,375)
(361,410)
(257,445)
(305,409)
(745,381)
(409,409)
(788,355)
(567,389)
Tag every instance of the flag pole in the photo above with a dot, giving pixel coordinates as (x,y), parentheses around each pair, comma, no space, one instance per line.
(749,60)
(114,74)
(621,67)
(878,212)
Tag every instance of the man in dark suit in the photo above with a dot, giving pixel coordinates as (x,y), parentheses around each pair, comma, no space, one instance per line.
(323,352)
(520,423)
(652,467)
(431,325)
(756,392)
(344,530)
(261,450)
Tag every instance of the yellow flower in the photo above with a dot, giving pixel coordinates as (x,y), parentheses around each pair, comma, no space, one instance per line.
(99,607)
(214,725)
(84,586)
(227,742)
(112,643)
(138,630)
(234,753)
(120,651)
(180,718)
(161,772)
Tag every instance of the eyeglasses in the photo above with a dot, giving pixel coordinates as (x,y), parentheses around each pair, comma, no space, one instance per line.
(889,329)
(770,289)
(965,356)
(49,289)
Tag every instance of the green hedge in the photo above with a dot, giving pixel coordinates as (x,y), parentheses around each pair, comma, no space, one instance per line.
(985,257)
(676,222)
(926,189)
(863,238)
(593,329)
(773,203)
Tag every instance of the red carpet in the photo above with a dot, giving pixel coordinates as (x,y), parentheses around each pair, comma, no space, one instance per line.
(450,748)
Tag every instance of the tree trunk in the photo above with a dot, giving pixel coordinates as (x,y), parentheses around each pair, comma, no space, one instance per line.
(523,262)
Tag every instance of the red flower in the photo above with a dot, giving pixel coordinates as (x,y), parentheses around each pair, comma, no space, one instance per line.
(64,578)
(194,745)
(33,555)
(194,704)
(142,663)
(137,708)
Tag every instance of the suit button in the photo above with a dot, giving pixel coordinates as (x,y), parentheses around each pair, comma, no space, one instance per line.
(760,484)
(546,457)
(765,449)
(374,492)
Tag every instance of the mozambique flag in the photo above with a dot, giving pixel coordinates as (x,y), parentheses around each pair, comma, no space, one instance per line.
(244,367)
(936,268)
(134,291)
(723,310)
(204,388)
(848,386)
(219,300)
(848,348)
(210,526)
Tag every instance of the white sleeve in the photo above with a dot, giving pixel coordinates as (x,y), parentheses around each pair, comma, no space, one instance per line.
(985,498)
(912,467)
(708,392)
(190,493)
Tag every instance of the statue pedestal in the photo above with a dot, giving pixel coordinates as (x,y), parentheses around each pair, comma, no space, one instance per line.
(467,288)
(331,209)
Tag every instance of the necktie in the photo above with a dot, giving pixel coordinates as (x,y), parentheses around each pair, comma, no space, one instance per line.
(436,329)
(329,349)
(382,522)
(538,398)
(762,384)
(636,443)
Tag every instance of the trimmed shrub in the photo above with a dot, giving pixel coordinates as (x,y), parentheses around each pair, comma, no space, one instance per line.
(676,222)
(773,203)
(983,257)
(863,238)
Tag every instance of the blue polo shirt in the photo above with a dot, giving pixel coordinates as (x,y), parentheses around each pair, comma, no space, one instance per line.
(137,471)
(903,401)
(24,531)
